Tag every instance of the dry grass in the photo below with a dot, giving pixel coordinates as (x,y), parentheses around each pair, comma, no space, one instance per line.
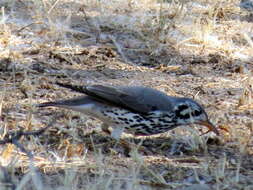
(201,49)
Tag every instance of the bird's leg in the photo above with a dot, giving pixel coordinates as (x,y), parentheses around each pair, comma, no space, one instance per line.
(105,128)
(116,134)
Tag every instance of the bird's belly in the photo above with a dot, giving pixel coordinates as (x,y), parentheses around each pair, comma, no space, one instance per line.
(135,123)
(145,130)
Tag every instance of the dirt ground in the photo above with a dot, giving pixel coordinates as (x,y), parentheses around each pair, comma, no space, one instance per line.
(198,49)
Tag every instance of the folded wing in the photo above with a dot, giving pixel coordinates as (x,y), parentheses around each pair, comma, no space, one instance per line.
(137,99)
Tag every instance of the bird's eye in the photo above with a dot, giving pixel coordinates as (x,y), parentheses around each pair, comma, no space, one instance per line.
(196,112)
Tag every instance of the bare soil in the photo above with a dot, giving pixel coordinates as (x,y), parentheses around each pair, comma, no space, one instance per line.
(97,42)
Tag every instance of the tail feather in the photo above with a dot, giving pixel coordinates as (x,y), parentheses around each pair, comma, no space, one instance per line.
(77,88)
(46,104)
(76,101)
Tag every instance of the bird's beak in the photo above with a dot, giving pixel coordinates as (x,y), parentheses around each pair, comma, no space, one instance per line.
(210,126)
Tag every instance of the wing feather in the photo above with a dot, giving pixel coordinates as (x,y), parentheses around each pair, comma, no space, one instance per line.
(137,99)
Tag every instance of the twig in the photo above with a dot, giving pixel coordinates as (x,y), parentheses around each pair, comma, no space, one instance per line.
(14,137)
(119,49)
(28,25)
(6,181)
(94,27)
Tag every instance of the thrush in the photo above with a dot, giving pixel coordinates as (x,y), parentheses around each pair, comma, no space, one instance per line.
(134,109)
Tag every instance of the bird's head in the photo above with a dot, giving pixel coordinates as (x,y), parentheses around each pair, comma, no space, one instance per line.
(187,111)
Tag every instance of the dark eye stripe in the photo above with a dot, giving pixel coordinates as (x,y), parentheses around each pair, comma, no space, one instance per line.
(197,113)
(182,107)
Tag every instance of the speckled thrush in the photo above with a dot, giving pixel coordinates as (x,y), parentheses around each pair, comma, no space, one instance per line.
(134,109)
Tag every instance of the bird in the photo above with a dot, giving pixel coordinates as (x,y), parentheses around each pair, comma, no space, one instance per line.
(138,110)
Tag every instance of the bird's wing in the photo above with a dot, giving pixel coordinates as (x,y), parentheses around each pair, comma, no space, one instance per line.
(137,99)
(119,97)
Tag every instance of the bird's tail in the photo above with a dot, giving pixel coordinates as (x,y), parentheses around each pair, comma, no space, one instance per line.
(73,102)
(69,102)
(77,88)
(47,104)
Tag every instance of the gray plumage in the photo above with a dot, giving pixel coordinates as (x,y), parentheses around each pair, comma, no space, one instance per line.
(134,109)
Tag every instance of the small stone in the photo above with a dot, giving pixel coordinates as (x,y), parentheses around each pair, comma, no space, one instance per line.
(247,5)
